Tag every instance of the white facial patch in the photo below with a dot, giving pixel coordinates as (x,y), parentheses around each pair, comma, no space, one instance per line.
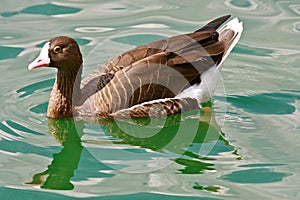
(43,59)
(45,52)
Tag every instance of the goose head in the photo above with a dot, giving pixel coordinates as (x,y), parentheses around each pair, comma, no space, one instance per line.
(61,52)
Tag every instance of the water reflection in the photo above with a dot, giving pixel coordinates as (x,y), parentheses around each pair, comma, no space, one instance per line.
(71,134)
(61,169)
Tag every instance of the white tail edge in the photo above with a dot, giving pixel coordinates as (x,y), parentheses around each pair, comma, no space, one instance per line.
(237,27)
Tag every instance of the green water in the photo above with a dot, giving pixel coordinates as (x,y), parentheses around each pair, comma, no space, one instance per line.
(247,148)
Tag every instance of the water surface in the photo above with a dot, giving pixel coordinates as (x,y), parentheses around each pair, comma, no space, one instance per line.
(246,148)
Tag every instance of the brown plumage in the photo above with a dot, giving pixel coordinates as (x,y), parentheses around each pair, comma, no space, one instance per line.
(149,80)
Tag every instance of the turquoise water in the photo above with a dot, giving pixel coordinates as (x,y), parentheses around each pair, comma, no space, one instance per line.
(246,148)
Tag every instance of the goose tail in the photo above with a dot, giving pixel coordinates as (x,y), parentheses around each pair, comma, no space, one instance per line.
(229,34)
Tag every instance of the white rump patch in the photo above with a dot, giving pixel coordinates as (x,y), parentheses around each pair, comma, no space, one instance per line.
(203,91)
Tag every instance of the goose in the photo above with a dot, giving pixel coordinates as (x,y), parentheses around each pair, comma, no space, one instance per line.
(161,78)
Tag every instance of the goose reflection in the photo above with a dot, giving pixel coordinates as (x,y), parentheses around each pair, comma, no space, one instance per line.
(61,169)
(178,136)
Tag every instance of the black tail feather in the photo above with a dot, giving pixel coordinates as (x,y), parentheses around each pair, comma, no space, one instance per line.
(213,25)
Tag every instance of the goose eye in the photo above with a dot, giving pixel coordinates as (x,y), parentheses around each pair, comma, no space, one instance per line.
(57,49)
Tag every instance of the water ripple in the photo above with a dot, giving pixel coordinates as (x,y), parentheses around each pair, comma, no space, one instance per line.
(266,103)
(9,52)
(150,26)
(295,8)
(257,175)
(93,29)
(32,88)
(296,27)
(242,4)
(263,64)
(43,9)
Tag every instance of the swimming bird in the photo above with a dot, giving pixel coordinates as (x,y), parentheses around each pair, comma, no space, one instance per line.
(161,78)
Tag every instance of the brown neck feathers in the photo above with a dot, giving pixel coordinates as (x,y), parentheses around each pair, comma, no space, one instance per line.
(66,87)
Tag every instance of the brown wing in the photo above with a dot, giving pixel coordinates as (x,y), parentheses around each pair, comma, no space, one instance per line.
(162,75)
(157,70)
(203,37)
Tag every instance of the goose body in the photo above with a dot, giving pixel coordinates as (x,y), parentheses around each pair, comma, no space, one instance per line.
(160,78)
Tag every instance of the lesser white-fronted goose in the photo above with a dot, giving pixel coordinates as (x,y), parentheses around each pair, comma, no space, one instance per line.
(160,78)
